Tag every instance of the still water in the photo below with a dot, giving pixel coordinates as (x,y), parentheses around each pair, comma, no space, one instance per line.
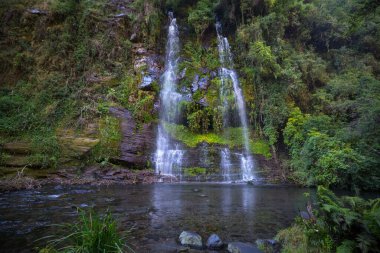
(156,213)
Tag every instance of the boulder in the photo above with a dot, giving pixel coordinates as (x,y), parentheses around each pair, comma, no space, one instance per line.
(214,242)
(191,239)
(240,247)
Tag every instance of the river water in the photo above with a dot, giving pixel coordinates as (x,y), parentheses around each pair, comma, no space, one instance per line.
(157,213)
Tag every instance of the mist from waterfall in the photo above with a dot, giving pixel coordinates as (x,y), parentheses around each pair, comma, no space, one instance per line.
(168,155)
(227,73)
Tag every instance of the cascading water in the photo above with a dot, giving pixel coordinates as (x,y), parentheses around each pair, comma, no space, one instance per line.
(227,73)
(168,155)
(225,164)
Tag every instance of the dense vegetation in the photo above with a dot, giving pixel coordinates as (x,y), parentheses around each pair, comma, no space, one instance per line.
(341,224)
(309,70)
(313,67)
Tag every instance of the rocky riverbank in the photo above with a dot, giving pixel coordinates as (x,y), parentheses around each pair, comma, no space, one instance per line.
(93,175)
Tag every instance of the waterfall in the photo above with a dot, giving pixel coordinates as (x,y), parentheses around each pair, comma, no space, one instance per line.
(168,155)
(227,73)
(225,164)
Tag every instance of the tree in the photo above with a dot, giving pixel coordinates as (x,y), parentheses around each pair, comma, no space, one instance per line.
(201,16)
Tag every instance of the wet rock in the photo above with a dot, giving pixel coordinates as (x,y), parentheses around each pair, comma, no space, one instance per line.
(141,50)
(203,83)
(194,85)
(136,145)
(140,63)
(133,37)
(183,249)
(305,215)
(268,244)
(214,242)
(36,11)
(240,247)
(191,239)
(203,102)
(147,83)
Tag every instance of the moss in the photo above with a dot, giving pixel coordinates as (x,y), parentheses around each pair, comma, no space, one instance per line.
(232,137)
(194,171)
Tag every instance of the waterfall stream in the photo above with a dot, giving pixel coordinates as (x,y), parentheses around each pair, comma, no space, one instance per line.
(168,155)
(228,74)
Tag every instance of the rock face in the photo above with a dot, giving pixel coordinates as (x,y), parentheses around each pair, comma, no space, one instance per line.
(16,154)
(137,145)
(240,247)
(76,145)
(214,242)
(191,239)
(148,64)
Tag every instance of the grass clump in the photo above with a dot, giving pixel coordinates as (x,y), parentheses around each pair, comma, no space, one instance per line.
(91,234)
(232,137)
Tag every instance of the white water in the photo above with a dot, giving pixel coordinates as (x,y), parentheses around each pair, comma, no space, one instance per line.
(168,156)
(227,73)
(225,164)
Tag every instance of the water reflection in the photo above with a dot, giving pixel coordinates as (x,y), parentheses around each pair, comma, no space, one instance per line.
(158,213)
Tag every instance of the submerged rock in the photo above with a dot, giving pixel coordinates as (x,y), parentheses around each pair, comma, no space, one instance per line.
(240,247)
(214,242)
(191,239)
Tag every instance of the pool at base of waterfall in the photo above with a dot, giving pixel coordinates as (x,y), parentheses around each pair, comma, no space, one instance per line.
(157,213)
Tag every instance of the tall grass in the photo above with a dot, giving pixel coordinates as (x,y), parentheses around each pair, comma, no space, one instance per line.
(92,234)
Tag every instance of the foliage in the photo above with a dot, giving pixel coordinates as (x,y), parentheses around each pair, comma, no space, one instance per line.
(343,224)
(319,158)
(201,16)
(92,233)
